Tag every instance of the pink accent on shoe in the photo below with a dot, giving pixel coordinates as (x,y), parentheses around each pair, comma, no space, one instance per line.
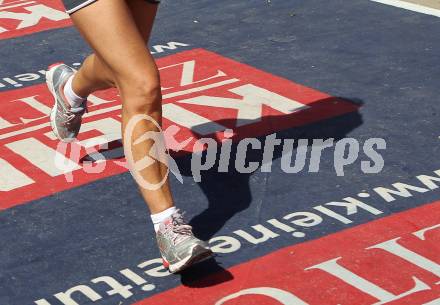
(165,263)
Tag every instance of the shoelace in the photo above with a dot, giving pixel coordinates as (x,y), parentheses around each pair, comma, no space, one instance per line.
(72,115)
(179,227)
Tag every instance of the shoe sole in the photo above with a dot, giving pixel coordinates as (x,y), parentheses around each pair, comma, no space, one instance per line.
(49,82)
(198,255)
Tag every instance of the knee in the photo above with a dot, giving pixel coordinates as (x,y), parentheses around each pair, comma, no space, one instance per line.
(141,94)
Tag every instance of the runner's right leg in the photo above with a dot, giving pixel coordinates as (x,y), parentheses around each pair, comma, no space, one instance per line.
(117,40)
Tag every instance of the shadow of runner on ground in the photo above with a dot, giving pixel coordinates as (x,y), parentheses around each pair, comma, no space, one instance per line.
(229,193)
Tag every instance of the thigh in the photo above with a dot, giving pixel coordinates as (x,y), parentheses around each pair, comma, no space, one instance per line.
(118,37)
(144,13)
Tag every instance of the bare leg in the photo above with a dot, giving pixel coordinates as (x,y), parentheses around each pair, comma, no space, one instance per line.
(94,73)
(117,31)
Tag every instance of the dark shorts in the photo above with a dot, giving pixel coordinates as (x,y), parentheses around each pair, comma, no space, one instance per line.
(74,5)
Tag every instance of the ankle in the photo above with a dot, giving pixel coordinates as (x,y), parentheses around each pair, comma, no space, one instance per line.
(159,218)
(73,99)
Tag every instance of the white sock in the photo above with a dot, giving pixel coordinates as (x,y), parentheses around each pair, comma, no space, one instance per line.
(73,99)
(160,217)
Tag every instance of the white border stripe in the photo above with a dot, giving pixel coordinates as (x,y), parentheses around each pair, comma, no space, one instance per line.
(72,10)
(411,6)
(3,7)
